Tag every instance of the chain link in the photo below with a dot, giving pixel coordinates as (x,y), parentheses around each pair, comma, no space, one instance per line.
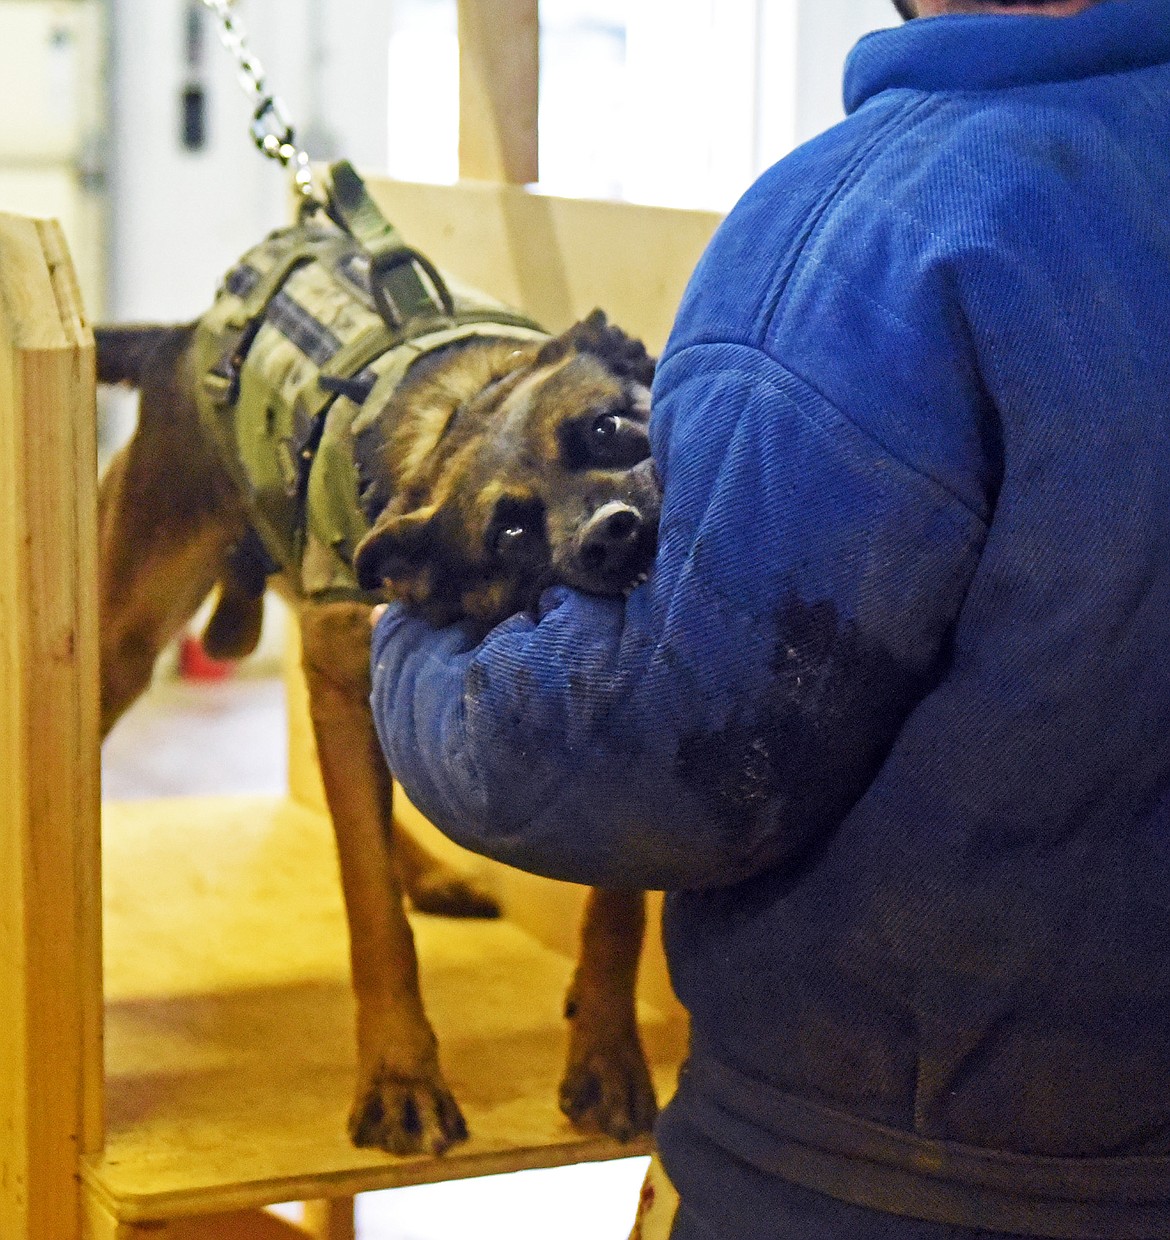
(272,129)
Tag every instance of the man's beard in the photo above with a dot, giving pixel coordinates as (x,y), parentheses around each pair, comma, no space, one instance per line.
(904,7)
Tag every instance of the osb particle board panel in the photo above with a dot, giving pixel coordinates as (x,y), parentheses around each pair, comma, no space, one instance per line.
(230,1022)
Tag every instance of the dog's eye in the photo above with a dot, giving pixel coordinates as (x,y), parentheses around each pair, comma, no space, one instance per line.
(609,440)
(616,442)
(605,429)
(516,534)
(511,540)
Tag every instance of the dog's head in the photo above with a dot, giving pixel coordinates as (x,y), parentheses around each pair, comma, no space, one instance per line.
(515,467)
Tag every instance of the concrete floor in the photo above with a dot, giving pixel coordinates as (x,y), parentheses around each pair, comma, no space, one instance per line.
(213,738)
(191,738)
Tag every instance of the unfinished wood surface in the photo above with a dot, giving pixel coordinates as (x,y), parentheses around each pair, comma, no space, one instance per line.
(329,1219)
(100,1224)
(230,1022)
(50,984)
(499,89)
(556,258)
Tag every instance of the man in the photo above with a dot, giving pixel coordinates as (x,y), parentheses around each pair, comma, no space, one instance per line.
(891,719)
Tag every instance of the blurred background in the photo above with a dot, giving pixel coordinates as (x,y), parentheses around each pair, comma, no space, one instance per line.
(124,120)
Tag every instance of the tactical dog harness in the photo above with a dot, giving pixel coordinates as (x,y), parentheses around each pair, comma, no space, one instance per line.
(308,337)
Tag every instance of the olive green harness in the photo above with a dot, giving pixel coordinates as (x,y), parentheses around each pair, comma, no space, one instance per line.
(307,339)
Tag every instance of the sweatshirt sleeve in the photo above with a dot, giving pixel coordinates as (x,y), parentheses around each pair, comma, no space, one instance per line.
(730,711)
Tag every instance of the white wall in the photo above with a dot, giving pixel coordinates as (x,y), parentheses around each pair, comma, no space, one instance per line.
(826,31)
(50,143)
(721,89)
(701,96)
(179,219)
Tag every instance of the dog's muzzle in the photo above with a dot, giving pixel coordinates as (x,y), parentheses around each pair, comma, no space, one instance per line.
(616,547)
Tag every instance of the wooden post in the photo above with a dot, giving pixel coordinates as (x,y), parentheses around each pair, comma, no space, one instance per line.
(50,950)
(499,74)
(330,1219)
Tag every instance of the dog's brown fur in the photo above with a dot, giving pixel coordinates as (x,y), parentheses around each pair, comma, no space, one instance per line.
(502,462)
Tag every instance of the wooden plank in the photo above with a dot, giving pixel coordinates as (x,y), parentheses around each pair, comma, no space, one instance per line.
(82,427)
(499,87)
(330,1219)
(230,1022)
(50,984)
(100,1224)
(240,1225)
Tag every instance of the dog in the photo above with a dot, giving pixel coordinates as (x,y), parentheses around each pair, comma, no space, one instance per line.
(488,467)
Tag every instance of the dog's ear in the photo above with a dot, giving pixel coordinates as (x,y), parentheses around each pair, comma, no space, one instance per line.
(394,549)
(624,355)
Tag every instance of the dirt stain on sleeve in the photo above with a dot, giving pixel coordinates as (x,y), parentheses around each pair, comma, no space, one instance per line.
(808,744)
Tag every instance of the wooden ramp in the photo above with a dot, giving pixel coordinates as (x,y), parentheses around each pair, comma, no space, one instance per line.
(229,1022)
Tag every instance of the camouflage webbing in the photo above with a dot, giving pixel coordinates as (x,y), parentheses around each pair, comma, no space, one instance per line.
(292,354)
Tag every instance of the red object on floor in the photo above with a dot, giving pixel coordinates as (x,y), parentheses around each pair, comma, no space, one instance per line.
(196,664)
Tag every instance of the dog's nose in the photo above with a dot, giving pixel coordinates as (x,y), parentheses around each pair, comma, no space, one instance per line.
(610,538)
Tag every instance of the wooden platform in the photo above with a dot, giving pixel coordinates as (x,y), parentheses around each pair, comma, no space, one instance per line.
(229,1021)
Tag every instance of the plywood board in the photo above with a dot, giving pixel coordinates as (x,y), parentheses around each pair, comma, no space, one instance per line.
(230,1022)
(99,1224)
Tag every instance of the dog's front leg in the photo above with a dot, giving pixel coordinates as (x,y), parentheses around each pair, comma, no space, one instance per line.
(607,1086)
(402,1103)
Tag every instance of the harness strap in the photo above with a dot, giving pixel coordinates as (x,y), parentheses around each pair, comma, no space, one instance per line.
(404,283)
(344,364)
(222,381)
(266,288)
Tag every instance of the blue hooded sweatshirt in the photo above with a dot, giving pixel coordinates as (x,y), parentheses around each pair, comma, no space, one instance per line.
(891,719)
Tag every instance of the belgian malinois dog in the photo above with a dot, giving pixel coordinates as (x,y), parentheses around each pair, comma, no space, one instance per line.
(496,467)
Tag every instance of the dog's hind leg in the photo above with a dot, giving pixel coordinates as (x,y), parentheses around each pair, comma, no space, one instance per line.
(607,1086)
(432,886)
(402,1104)
(154,572)
(167,514)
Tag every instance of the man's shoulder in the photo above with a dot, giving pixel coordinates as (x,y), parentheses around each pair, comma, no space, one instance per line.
(917,182)
(971,162)
(840,202)
(763,237)
(951,177)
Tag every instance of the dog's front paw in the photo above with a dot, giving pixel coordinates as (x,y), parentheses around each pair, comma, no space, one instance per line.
(404,1115)
(607,1088)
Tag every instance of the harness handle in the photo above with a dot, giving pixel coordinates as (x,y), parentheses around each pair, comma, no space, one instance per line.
(403,283)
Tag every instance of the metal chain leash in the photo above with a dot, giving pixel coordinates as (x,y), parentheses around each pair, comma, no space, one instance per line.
(271,129)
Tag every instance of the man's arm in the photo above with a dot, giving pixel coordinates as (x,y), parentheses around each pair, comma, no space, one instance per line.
(734,708)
